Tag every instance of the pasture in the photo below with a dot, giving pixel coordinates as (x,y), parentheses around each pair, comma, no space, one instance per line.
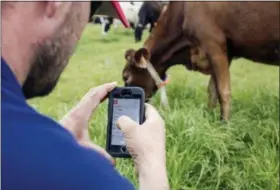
(202,153)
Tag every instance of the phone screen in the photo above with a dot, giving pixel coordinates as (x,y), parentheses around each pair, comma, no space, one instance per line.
(123,107)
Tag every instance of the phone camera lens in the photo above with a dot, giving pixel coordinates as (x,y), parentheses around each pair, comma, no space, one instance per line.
(123,149)
(126,93)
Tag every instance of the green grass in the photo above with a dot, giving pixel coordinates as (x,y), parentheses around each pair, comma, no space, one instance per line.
(202,153)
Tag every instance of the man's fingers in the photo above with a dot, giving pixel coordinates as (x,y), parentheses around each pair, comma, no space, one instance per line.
(99,93)
(126,125)
(151,113)
(104,98)
(108,88)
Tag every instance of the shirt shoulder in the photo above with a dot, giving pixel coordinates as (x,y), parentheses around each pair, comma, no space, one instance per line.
(38,153)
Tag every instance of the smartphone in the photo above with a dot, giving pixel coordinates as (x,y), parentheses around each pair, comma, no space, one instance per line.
(123,101)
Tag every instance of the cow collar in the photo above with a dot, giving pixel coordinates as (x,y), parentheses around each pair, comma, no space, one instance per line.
(159,82)
(165,79)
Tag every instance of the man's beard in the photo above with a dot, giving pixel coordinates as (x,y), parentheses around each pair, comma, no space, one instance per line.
(49,60)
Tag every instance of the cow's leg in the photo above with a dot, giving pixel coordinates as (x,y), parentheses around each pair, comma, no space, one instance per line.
(138,32)
(107,27)
(222,75)
(152,26)
(108,24)
(212,93)
(103,24)
(220,66)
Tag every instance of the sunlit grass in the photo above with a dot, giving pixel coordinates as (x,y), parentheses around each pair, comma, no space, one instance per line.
(202,153)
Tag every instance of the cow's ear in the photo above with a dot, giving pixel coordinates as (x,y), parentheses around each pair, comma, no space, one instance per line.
(129,54)
(141,57)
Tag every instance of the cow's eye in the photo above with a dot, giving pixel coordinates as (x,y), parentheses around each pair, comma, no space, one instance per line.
(125,78)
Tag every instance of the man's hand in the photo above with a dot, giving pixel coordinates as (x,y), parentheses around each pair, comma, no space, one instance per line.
(146,144)
(77,119)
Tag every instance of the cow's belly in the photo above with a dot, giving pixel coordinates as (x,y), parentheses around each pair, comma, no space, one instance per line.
(204,71)
(268,53)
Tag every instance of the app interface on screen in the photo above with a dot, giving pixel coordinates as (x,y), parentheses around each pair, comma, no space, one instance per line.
(123,107)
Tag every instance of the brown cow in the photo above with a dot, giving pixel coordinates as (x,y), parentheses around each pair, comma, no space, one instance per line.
(206,37)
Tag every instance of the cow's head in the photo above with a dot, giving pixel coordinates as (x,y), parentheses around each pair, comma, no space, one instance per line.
(135,72)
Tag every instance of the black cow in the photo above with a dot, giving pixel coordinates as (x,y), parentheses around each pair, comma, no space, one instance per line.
(106,23)
(148,14)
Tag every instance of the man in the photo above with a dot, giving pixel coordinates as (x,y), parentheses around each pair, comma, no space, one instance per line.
(38,39)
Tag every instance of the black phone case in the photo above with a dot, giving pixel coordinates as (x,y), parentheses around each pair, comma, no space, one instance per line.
(134,90)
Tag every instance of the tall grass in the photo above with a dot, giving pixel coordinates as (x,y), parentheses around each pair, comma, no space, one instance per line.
(202,153)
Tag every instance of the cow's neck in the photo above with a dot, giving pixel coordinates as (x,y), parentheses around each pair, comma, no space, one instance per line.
(178,53)
(162,67)
(166,42)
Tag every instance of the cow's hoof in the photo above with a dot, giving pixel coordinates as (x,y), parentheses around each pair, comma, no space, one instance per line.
(212,105)
(224,123)
(224,120)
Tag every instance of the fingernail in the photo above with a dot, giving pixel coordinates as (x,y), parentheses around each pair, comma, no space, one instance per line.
(115,83)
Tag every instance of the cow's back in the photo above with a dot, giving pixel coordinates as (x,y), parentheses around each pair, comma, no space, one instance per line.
(253,21)
(251,28)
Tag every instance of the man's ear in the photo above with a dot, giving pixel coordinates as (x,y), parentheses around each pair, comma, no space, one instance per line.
(55,8)
(52,15)
(55,12)
(141,57)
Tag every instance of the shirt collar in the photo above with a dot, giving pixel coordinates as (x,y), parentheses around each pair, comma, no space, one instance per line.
(8,79)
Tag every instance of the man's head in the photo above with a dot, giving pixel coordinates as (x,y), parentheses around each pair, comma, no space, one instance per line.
(50,31)
(52,52)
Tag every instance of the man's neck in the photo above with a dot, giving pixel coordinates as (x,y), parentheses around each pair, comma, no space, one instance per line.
(15,48)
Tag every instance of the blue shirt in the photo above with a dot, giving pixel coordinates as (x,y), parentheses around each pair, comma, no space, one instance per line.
(38,154)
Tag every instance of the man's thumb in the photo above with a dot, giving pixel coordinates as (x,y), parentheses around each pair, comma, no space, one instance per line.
(126,125)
